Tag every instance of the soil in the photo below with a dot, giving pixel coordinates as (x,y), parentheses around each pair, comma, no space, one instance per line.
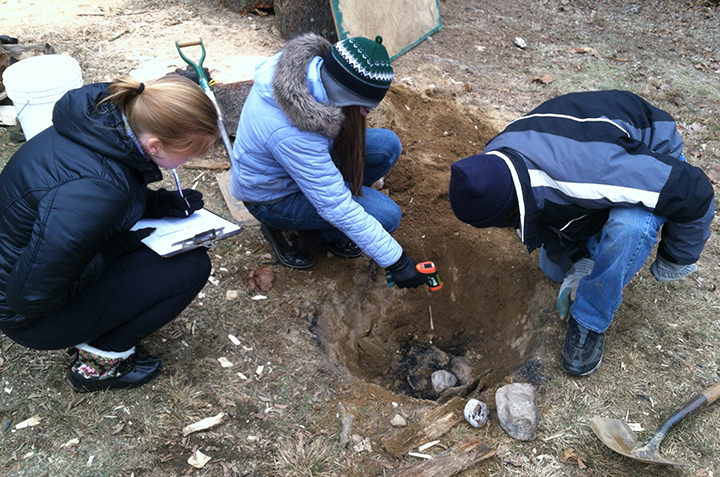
(325,359)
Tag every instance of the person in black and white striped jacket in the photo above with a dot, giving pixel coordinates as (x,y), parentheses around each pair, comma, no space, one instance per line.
(590,178)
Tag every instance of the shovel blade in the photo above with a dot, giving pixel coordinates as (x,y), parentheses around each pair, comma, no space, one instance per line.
(617,435)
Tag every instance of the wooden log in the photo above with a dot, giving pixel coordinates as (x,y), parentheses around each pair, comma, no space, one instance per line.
(433,424)
(459,457)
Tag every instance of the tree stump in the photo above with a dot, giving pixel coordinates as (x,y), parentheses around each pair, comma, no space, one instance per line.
(248,6)
(302,16)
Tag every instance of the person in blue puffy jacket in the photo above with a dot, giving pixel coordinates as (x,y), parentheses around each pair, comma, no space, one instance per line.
(591,178)
(303,159)
(72,273)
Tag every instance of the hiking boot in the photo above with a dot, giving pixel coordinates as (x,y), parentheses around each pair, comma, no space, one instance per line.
(88,375)
(285,253)
(583,349)
(344,248)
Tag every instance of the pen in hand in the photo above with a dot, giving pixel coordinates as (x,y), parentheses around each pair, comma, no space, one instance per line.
(177,182)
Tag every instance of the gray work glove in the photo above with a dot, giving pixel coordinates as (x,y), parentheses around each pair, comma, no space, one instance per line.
(569,286)
(666,271)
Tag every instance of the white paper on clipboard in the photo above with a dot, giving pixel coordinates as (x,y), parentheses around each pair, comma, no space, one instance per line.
(175,235)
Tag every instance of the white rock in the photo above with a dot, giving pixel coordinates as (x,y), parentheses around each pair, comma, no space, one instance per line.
(520,43)
(476,413)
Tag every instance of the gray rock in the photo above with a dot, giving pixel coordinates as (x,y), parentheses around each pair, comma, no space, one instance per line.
(517,410)
(460,367)
(442,380)
(398,421)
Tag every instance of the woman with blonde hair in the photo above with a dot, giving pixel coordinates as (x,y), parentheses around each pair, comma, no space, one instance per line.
(72,273)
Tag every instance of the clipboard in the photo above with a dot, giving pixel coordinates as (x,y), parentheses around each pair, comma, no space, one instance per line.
(174,235)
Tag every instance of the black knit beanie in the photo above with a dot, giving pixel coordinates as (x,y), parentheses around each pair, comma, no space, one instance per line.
(482,192)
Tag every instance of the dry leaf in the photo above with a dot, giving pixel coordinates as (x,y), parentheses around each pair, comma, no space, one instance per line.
(586,49)
(262,278)
(569,455)
(544,79)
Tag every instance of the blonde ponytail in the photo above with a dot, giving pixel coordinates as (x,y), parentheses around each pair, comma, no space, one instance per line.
(172,108)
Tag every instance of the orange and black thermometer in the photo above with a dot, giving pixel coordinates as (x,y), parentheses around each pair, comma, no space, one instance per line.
(429,272)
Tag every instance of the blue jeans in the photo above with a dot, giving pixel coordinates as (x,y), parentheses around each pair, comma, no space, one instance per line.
(295,212)
(619,250)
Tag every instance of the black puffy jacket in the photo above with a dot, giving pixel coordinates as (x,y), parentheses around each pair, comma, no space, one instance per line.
(63,195)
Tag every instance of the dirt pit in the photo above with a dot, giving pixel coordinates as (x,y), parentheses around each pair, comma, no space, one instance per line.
(490,303)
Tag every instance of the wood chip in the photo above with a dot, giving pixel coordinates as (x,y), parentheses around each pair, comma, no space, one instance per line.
(32,421)
(635,426)
(198,459)
(422,456)
(71,443)
(224,362)
(203,424)
(428,445)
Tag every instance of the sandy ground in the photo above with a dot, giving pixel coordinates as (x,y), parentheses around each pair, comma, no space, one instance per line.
(329,341)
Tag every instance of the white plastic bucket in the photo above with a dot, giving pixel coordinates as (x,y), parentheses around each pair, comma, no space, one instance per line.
(35,84)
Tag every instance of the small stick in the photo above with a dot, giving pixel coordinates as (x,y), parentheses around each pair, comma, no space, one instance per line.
(432,327)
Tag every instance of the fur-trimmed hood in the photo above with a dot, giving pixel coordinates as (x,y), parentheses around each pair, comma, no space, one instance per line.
(291,91)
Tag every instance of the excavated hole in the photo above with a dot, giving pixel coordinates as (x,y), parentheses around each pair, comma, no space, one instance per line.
(492,296)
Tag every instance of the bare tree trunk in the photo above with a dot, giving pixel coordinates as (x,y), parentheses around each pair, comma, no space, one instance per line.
(302,16)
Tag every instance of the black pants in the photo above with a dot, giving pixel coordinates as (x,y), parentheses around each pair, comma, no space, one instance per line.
(137,295)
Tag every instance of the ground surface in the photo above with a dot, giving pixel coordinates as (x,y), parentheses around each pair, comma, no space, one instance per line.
(314,381)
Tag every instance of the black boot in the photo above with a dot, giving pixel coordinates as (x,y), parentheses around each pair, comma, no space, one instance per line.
(344,248)
(284,252)
(90,372)
(583,349)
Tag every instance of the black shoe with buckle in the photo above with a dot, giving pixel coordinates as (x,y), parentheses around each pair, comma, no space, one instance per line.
(287,255)
(583,349)
(131,372)
(344,248)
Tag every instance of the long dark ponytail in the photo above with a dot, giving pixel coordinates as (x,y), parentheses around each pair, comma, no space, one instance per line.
(349,148)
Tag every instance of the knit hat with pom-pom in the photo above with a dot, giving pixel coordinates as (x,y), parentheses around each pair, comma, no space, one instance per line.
(357,71)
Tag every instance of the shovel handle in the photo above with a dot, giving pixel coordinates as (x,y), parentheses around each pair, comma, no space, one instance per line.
(712,393)
(183,44)
(708,396)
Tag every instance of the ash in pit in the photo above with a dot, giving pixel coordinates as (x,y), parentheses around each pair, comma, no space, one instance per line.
(427,372)
(493,296)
